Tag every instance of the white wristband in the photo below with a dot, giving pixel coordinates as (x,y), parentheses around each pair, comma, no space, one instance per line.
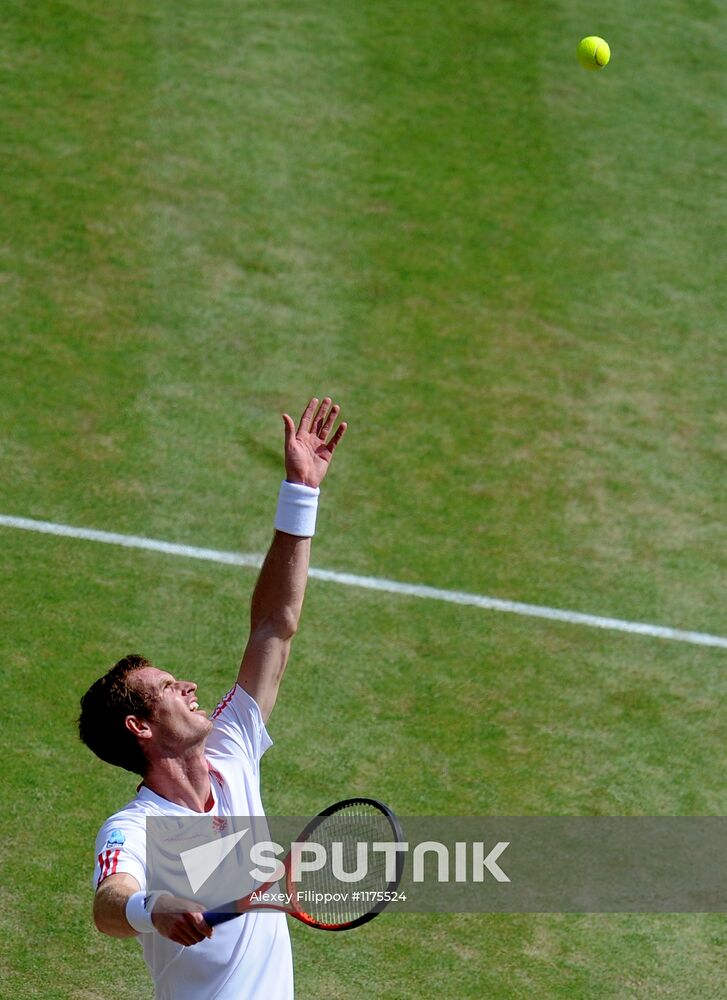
(139,907)
(297,508)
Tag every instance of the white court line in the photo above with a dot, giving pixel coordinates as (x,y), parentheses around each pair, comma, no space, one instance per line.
(370,582)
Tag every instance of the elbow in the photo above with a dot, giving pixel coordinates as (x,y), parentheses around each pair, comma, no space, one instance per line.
(106,924)
(112,930)
(288,626)
(101,925)
(281,627)
(98,917)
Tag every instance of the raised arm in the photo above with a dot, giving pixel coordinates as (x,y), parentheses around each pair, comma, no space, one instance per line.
(277,601)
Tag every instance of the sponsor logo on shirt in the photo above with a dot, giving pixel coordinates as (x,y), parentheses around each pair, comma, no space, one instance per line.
(117,838)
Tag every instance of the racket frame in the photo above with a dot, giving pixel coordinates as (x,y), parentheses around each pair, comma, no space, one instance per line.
(236,908)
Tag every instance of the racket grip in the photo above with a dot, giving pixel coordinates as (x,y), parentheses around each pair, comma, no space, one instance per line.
(214,917)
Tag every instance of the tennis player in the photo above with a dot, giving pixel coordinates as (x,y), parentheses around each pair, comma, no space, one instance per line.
(146,720)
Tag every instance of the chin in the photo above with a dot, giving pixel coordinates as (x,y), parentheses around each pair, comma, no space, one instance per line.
(198,732)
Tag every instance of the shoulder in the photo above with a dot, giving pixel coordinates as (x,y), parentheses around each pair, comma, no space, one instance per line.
(237,701)
(238,727)
(121,844)
(126,823)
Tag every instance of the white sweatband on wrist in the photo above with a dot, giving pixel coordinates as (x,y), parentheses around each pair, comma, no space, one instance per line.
(139,907)
(297,508)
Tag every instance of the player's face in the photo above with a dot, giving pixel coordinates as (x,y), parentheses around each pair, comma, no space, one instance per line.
(177,721)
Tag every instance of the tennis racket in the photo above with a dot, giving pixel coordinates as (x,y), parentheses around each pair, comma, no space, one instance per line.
(318,898)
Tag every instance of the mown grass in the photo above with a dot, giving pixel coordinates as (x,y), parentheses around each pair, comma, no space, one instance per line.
(509,273)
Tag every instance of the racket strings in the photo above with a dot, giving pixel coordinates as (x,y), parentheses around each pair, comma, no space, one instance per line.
(347,836)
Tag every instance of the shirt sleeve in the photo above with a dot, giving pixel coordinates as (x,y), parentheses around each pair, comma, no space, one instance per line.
(120,849)
(238,727)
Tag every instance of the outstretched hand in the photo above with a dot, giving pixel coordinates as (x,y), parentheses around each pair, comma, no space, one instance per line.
(307,450)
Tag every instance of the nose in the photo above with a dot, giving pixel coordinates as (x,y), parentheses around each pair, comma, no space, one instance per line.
(188,687)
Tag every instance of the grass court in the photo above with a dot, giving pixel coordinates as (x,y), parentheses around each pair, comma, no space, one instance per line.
(510,273)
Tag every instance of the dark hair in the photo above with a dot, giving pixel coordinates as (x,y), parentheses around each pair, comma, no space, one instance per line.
(104,707)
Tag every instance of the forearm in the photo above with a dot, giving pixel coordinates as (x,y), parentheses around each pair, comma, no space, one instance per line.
(277,601)
(177,919)
(109,908)
(277,604)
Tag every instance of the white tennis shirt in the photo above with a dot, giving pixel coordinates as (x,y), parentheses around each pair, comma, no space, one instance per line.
(248,958)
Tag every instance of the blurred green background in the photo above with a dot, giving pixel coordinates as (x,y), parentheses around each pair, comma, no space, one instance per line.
(509,272)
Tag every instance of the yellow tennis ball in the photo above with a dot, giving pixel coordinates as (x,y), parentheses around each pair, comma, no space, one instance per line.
(593,52)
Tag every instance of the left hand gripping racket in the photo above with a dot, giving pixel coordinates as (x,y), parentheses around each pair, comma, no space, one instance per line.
(319,899)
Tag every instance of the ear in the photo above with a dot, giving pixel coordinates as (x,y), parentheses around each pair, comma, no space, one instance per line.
(138,726)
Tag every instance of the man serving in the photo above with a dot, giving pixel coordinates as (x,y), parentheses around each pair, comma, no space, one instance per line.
(145,720)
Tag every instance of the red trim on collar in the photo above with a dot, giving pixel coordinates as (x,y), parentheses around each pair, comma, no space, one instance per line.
(216,775)
(225,702)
